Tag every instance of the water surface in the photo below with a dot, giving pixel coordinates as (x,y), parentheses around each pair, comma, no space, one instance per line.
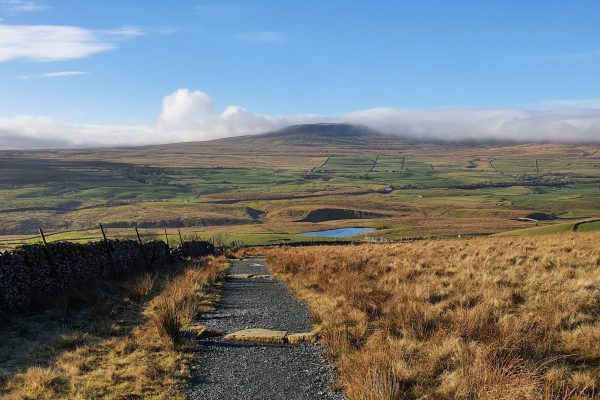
(339,233)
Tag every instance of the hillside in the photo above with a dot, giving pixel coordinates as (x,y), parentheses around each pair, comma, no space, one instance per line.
(344,138)
(331,131)
(486,318)
(307,138)
(269,188)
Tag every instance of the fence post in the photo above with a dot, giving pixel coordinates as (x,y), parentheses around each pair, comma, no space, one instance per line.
(48,255)
(168,248)
(180,238)
(108,250)
(142,248)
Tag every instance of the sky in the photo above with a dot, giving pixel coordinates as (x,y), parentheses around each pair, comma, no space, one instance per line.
(104,73)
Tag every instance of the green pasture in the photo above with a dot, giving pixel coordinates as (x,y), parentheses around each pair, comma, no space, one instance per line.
(348,164)
(69,194)
(555,228)
(592,226)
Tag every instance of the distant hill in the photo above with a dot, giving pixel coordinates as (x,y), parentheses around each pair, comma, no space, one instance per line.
(322,130)
(343,138)
(316,136)
(310,135)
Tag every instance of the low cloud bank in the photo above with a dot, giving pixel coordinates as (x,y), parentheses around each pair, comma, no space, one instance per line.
(554,125)
(190,116)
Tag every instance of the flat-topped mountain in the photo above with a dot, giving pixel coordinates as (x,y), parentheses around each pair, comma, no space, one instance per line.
(322,130)
(311,135)
(346,138)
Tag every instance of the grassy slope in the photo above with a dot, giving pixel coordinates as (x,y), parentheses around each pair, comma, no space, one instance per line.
(114,340)
(589,227)
(493,318)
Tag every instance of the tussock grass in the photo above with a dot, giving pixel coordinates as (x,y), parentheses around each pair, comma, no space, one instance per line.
(490,318)
(178,303)
(142,287)
(113,341)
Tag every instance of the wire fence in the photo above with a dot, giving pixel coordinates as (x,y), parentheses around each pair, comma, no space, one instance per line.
(172,237)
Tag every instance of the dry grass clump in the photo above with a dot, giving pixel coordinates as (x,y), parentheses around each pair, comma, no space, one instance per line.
(492,318)
(110,346)
(141,289)
(178,303)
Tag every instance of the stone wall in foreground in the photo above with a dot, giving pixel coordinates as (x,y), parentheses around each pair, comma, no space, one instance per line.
(32,273)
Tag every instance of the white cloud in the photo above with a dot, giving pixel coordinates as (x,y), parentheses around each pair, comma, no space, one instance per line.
(263,37)
(125,32)
(184,105)
(186,116)
(190,116)
(565,125)
(56,43)
(26,131)
(19,6)
(59,74)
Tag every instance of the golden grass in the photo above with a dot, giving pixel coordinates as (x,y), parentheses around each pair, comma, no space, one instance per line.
(492,318)
(106,342)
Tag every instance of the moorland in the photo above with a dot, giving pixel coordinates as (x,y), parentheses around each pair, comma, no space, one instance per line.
(481,318)
(265,189)
(512,315)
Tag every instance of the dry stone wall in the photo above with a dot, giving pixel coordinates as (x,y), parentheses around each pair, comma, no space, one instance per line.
(31,273)
(195,248)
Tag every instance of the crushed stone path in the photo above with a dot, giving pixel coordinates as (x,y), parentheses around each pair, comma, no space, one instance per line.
(240,370)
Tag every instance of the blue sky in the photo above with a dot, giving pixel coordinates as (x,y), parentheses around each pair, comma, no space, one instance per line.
(280,58)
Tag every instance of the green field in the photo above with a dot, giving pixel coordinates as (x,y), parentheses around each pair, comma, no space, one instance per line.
(260,194)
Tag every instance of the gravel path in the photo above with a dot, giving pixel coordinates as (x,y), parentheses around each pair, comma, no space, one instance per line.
(236,370)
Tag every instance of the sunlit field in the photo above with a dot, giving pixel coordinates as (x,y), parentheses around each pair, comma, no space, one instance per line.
(491,318)
(262,190)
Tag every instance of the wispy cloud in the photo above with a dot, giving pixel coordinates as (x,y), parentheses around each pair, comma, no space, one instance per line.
(13,7)
(59,74)
(56,42)
(125,32)
(130,32)
(263,37)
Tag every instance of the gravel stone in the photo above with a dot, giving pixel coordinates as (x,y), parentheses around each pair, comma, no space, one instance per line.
(239,370)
